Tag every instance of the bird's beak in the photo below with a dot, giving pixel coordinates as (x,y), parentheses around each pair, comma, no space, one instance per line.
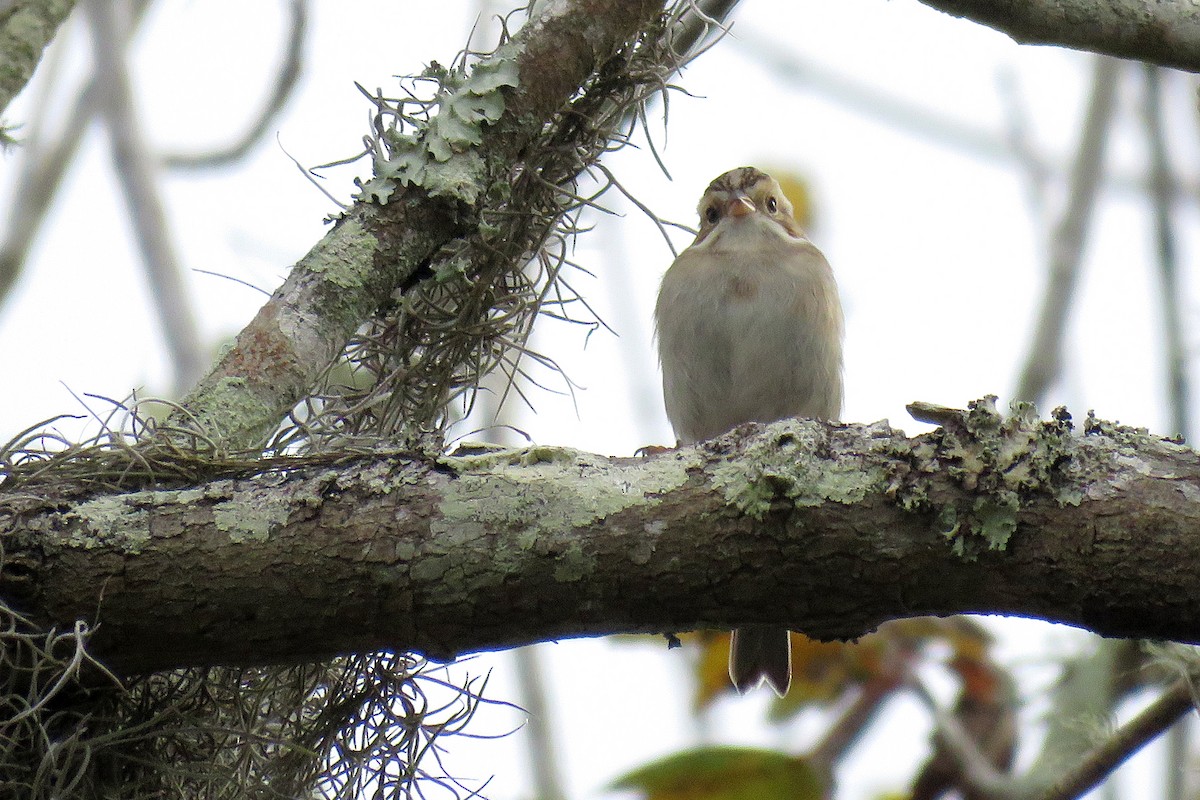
(740,207)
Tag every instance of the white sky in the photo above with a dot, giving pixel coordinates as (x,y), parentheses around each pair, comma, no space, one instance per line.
(937,253)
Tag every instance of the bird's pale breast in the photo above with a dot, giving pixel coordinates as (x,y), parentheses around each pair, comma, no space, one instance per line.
(749,339)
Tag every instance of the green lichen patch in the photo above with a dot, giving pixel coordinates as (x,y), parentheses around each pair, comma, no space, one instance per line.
(229,403)
(785,464)
(1001,461)
(484,456)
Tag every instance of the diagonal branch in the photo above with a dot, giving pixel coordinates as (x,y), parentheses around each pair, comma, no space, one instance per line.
(374,249)
(1176,701)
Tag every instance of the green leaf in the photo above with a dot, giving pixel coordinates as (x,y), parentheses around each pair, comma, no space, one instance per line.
(726,773)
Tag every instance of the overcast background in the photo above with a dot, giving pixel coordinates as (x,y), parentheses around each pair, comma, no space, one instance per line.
(939,251)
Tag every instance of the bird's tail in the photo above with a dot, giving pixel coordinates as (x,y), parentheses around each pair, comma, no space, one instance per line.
(758,654)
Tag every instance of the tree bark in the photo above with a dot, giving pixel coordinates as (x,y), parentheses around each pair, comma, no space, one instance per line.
(1167,34)
(827,528)
(26,28)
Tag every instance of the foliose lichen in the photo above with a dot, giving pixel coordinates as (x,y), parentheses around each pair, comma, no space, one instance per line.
(440,153)
(1001,461)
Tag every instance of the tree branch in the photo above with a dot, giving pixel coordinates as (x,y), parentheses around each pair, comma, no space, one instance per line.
(1167,34)
(829,529)
(1098,764)
(26,28)
(374,249)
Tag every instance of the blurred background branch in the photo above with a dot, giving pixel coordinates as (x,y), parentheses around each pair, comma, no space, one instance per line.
(283,86)
(1162,202)
(909,238)
(133,164)
(1044,360)
(47,157)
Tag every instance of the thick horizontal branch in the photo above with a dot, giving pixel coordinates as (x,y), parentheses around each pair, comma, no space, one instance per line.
(829,529)
(1167,34)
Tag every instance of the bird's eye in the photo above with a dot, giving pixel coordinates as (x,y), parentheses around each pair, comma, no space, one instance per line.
(712,215)
(771,205)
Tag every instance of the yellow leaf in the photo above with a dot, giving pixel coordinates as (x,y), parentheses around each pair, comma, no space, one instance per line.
(797,190)
(712,669)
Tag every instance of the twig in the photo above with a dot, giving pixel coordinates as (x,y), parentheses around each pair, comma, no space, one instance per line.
(135,172)
(285,83)
(699,23)
(1044,359)
(1020,145)
(1158,33)
(846,731)
(978,773)
(1124,742)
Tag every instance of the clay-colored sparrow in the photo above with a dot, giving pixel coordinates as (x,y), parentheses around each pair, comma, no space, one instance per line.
(749,329)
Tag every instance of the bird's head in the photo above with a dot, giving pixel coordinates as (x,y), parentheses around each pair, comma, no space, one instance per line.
(746,195)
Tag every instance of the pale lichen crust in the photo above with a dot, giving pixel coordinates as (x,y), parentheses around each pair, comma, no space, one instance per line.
(780,466)
(521,491)
(343,258)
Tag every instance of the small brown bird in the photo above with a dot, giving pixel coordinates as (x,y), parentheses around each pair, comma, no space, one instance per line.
(749,329)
